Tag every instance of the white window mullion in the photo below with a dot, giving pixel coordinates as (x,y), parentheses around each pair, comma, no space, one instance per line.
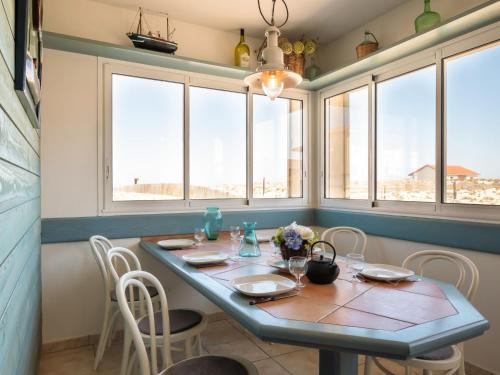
(250,147)
(440,132)
(187,86)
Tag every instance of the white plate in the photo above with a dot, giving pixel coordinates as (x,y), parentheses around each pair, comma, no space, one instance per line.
(263,285)
(386,272)
(180,243)
(205,257)
(280,264)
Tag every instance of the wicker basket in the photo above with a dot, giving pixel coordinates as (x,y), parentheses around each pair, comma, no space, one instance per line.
(367,46)
(295,63)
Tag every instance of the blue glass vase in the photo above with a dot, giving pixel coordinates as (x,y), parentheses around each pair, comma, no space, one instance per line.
(249,246)
(213,223)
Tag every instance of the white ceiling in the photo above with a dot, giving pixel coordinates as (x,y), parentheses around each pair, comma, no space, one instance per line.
(326,19)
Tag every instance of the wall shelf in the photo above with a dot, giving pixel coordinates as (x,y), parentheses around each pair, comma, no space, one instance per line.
(478,17)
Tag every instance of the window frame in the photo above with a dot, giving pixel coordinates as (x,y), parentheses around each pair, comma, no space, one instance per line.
(106,205)
(431,56)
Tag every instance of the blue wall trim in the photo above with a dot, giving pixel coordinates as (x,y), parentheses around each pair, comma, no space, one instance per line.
(81,228)
(453,233)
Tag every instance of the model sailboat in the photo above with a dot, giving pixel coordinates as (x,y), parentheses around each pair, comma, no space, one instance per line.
(149,40)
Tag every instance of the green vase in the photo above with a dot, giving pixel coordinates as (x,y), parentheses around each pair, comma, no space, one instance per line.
(428,19)
(213,223)
(249,246)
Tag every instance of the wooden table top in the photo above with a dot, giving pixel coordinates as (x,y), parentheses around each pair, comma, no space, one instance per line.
(400,317)
(373,305)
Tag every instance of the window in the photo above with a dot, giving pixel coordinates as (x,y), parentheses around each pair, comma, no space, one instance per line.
(183,141)
(405,140)
(346,145)
(147,131)
(277,148)
(472,110)
(217,144)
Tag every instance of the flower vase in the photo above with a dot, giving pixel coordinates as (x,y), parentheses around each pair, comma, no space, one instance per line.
(287,252)
(249,246)
(213,223)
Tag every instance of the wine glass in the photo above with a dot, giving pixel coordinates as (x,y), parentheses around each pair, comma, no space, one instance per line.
(298,267)
(234,231)
(199,235)
(355,263)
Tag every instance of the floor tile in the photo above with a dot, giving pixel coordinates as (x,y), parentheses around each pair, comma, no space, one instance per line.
(220,332)
(75,362)
(270,367)
(244,348)
(270,348)
(302,362)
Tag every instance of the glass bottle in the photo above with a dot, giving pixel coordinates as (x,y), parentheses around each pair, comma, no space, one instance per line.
(428,19)
(249,246)
(242,52)
(213,222)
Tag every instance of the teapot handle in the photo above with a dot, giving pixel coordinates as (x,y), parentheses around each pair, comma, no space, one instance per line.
(329,244)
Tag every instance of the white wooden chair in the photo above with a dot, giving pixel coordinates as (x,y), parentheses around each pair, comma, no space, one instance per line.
(100,246)
(450,359)
(186,325)
(359,243)
(207,364)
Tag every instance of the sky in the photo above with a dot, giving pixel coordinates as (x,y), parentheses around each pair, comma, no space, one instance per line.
(148,134)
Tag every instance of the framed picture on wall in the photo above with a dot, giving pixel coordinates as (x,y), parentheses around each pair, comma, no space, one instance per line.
(28,57)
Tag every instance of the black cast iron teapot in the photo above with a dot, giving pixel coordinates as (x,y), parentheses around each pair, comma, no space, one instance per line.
(322,270)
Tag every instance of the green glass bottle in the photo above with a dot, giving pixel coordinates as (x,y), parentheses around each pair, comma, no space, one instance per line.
(242,52)
(428,19)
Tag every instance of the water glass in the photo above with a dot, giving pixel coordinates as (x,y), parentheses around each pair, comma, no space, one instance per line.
(355,263)
(298,268)
(234,231)
(199,235)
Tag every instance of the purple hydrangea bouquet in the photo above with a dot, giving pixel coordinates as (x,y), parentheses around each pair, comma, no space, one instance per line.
(294,240)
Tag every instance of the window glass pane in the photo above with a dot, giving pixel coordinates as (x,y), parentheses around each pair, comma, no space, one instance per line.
(217,144)
(346,129)
(277,148)
(147,126)
(472,115)
(406,127)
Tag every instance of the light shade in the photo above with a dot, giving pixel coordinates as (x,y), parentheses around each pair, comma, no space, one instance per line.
(271,76)
(273,82)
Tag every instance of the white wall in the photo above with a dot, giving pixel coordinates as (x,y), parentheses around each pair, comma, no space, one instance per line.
(389,29)
(107,23)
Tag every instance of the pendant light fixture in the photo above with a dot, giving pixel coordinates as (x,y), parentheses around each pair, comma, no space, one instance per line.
(271,75)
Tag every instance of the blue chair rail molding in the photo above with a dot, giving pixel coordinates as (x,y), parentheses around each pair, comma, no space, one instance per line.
(128,226)
(441,232)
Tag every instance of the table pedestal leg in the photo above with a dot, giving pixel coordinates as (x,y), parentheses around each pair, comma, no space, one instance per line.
(337,363)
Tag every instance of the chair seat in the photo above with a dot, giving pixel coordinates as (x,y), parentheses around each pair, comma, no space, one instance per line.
(180,320)
(151,290)
(438,354)
(210,365)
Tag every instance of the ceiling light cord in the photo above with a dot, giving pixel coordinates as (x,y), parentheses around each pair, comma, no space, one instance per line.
(271,23)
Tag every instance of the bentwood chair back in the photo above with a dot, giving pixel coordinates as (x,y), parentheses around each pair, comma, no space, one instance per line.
(100,246)
(186,325)
(209,364)
(447,360)
(359,238)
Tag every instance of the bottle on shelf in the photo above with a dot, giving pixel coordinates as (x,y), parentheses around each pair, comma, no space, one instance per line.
(428,19)
(242,52)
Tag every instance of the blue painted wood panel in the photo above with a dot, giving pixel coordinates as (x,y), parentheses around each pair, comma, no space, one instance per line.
(127,226)
(20,277)
(453,233)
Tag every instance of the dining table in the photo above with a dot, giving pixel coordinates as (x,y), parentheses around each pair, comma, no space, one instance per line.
(343,319)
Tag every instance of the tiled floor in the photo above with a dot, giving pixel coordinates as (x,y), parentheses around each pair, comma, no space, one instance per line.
(222,337)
